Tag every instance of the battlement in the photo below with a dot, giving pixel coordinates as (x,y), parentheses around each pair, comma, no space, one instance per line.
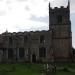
(61,7)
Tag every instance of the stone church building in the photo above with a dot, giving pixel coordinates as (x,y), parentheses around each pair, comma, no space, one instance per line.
(40,46)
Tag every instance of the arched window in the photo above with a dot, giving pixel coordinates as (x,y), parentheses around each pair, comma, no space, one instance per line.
(10,41)
(42,52)
(21,52)
(42,39)
(10,53)
(25,39)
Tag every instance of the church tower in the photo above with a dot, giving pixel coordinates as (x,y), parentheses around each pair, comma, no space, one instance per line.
(60,24)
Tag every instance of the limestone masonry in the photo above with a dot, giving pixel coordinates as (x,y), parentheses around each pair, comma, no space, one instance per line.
(40,46)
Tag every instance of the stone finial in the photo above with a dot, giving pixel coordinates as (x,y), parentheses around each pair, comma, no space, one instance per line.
(68,4)
(49,4)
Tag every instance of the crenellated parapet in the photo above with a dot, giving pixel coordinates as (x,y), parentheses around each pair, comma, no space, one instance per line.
(61,8)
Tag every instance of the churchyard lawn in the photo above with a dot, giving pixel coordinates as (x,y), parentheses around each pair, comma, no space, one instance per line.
(34,69)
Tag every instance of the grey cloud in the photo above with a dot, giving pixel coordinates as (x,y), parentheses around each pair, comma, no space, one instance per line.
(58,3)
(40,28)
(73,22)
(45,0)
(1,0)
(41,19)
(2,13)
(27,8)
(72,1)
(73,6)
(8,1)
(10,8)
(21,0)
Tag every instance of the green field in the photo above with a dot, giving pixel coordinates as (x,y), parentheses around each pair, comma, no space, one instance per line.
(31,69)
(19,69)
(65,65)
(64,73)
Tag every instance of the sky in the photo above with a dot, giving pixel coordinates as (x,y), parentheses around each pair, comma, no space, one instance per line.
(31,15)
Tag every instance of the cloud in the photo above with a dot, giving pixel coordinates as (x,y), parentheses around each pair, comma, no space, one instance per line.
(27,8)
(58,3)
(21,0)
(8,1)
(30,26)
(73,39)
(2,13)
(19,12)
(1,0)
(73,28)
(45,0)
(72,6)
(35,6)
(41,19)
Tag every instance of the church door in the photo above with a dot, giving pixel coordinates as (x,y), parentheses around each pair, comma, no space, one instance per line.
(34,58)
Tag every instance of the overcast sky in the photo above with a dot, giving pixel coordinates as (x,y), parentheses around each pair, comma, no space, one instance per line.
(30,15)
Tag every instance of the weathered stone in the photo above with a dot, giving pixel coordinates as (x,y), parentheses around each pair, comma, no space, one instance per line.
(40,46)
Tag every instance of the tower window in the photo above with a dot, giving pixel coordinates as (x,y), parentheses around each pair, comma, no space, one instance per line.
(42,52)
(59,19)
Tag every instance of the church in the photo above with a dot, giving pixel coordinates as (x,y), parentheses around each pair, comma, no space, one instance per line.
(54,44)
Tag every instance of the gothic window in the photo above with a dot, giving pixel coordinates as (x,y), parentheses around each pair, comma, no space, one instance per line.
(42,39)
(10,53)
(10,40)
(21,52)
(25,39)
(42,52)
(59,19)
(4,51)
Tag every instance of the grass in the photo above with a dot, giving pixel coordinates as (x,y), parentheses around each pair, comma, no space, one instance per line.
(31,69)
(64,73)
(68,65)
(20,69)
